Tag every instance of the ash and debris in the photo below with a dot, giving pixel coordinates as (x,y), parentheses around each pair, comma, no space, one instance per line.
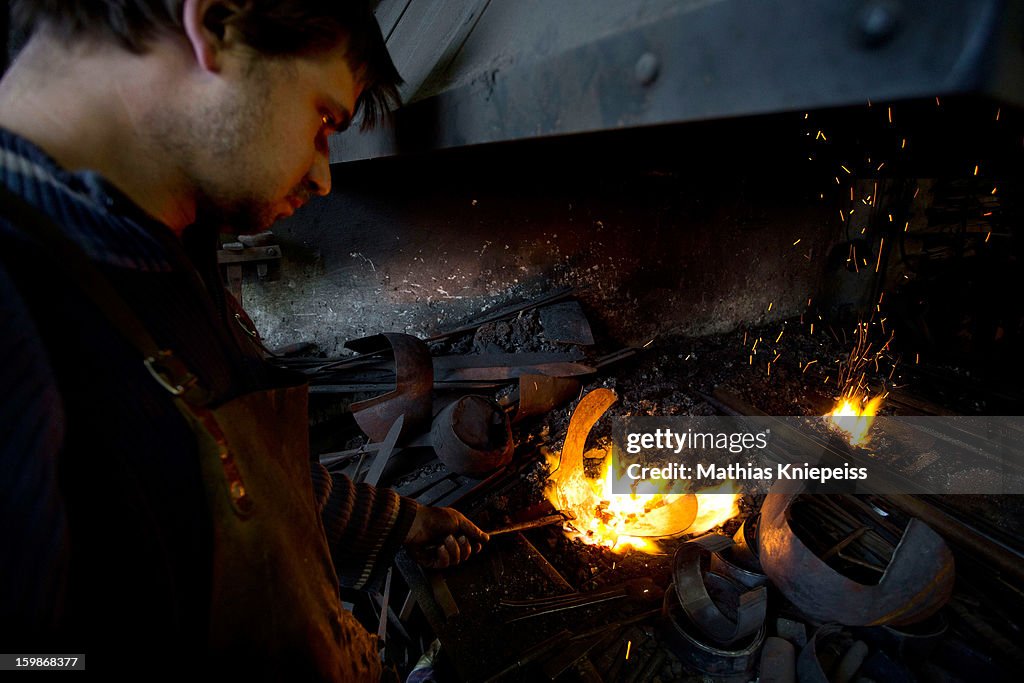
(522,334)
(675,375)
(424,473)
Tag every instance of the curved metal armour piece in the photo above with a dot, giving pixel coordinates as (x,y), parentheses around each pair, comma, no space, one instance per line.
(727,663)
(697,602)
(589,410)
(916,583)
(414,382)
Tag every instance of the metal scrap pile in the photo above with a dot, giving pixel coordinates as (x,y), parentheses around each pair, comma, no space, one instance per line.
(795,587)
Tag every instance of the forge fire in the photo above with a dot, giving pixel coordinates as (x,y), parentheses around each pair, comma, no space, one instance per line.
(619,521)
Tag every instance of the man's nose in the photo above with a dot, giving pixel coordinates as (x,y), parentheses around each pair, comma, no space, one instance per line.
(319,177)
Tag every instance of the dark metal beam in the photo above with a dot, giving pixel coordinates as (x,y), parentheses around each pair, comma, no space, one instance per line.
(707,59)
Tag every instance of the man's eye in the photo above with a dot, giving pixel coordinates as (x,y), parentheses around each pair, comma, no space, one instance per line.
(329,123)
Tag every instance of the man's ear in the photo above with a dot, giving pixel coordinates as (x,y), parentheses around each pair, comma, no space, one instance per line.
(206,27)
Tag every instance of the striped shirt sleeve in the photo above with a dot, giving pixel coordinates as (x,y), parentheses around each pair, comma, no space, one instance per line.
(365,525)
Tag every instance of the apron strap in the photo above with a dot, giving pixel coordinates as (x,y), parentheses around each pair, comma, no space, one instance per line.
(166,369)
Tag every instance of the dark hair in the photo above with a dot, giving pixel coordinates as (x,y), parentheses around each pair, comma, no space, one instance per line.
(271,27)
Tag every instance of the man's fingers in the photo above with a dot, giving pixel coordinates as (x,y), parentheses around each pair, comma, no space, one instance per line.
(472,531)
(456,537)
(452,546)
(465,549)
(441,558)
(433,557)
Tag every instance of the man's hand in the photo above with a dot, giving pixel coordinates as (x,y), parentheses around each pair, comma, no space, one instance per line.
(442,537)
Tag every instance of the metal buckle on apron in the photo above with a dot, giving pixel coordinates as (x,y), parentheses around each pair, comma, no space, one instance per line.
(245,327)
(170,373)
(173,376)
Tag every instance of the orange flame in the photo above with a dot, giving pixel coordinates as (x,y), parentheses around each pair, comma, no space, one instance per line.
(715,506)
(854,415)
(606,518)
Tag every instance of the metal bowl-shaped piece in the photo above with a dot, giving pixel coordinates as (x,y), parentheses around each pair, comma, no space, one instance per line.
(724,562)
(724,663)
(745,552)
(917,581)
(472,436)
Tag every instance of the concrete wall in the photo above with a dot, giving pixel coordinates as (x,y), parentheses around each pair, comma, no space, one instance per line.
(664,230)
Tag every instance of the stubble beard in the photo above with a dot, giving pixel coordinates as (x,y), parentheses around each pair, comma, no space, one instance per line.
(215,138)
(239,215)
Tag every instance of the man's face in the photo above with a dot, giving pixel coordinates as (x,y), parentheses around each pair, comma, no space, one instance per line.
(258,143)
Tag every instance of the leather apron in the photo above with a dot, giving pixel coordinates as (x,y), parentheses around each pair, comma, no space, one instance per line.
(275,612)
(274,589)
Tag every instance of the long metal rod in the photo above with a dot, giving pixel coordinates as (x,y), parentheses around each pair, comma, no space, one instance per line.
(542,563)
(1008,562)
(556,518)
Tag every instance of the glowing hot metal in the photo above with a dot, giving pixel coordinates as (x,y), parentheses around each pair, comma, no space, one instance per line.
(621,521)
